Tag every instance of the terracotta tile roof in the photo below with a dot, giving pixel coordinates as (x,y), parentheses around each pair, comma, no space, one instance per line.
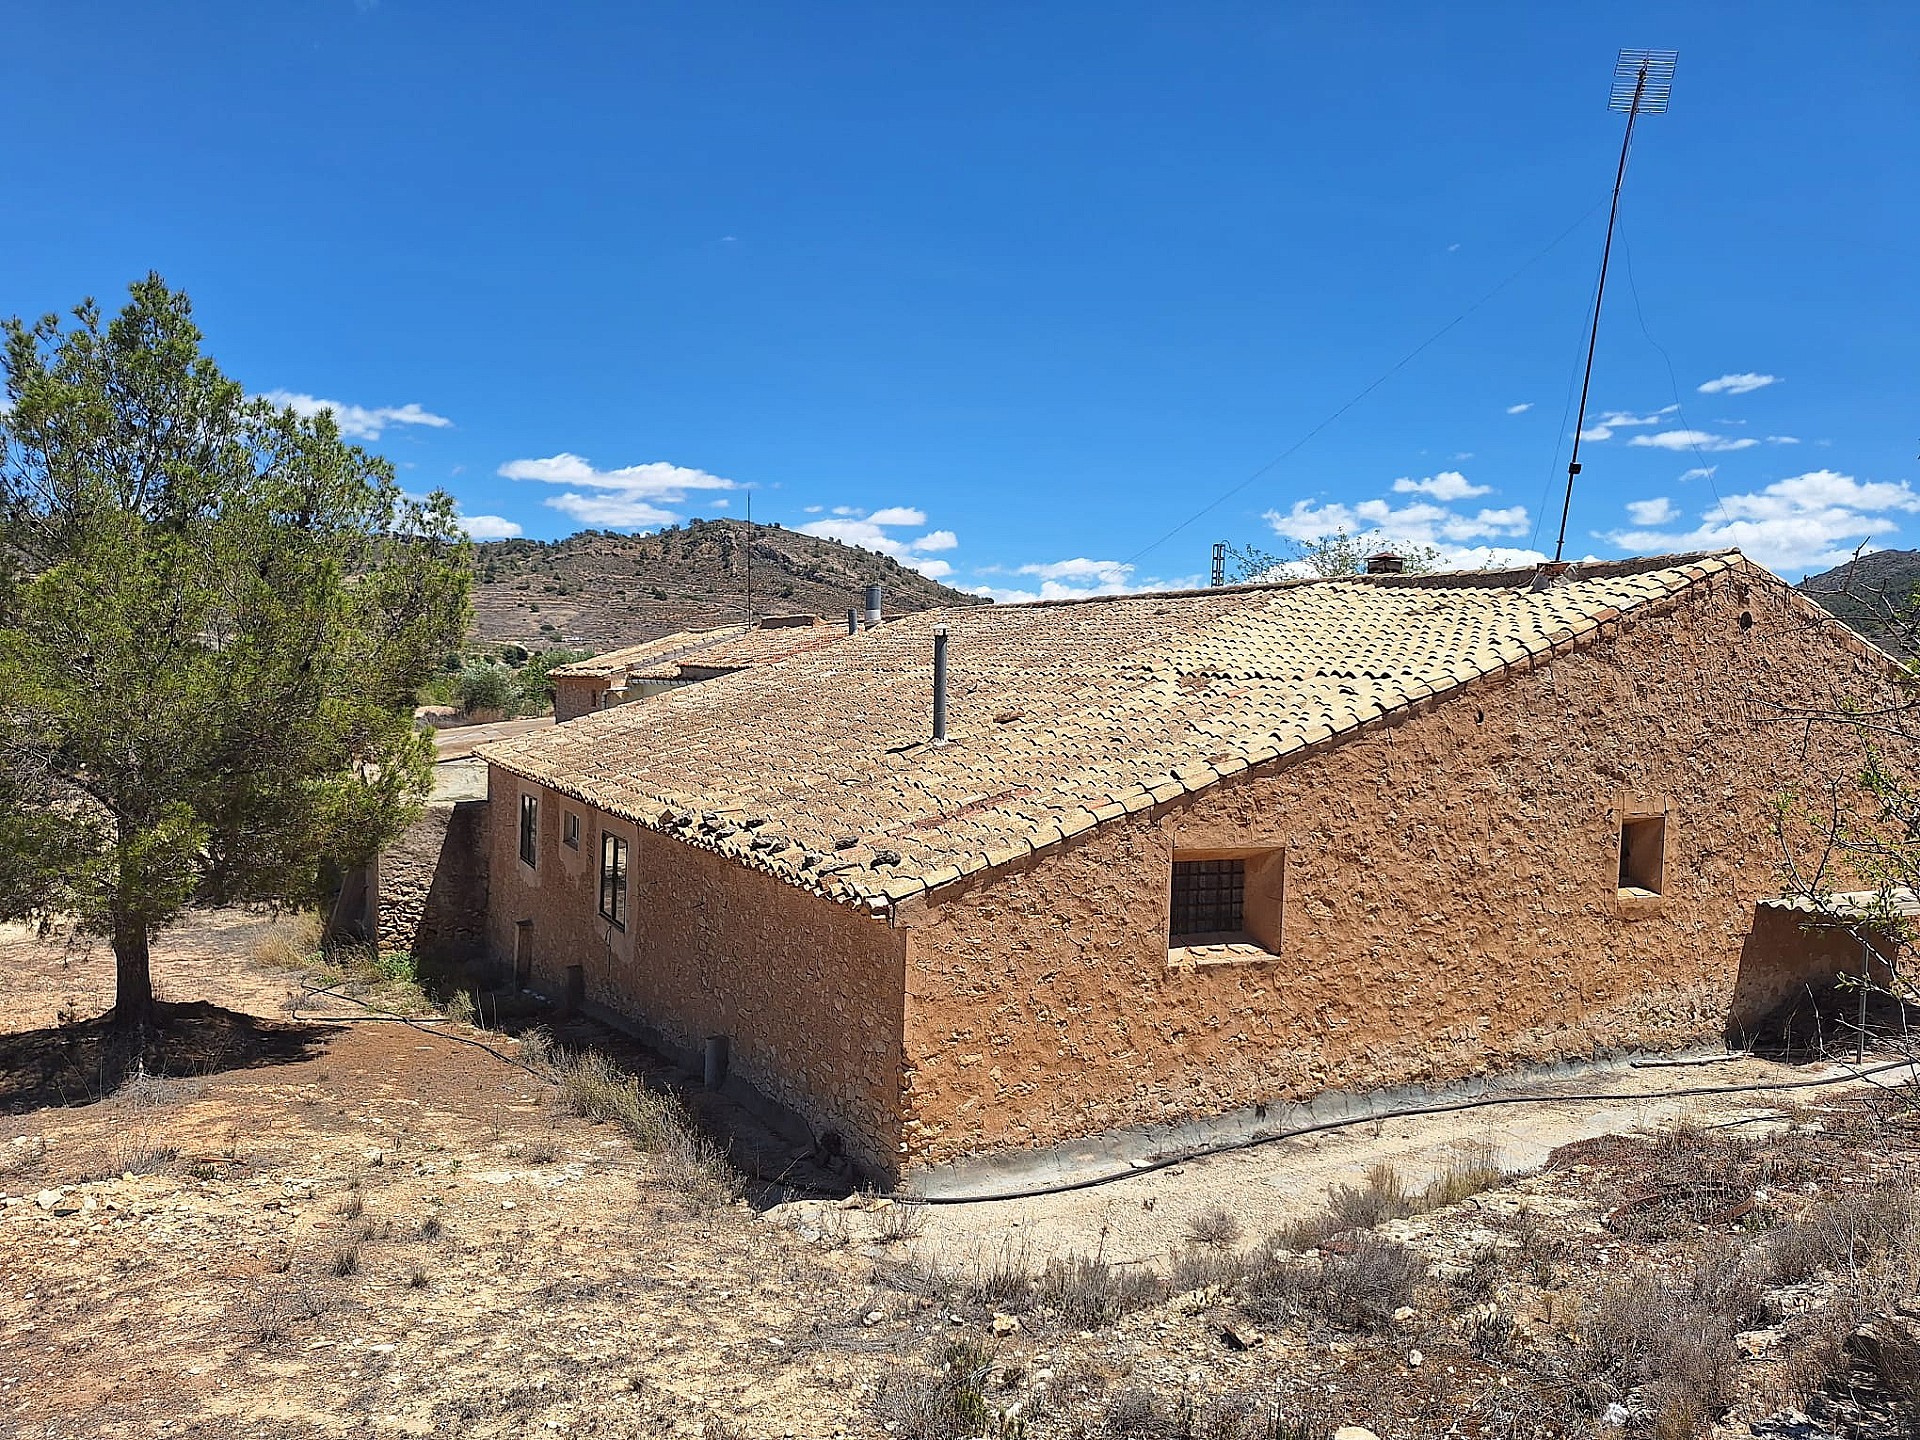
(730,647)
(615,662)
(818,767)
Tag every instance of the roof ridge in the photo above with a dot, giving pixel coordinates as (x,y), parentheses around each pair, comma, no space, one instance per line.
(1429,580)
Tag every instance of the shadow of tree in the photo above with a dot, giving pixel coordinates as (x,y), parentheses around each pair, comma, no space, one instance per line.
(85,1062)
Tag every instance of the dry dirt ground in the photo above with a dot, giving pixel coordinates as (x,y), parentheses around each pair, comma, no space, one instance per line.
(340,1224)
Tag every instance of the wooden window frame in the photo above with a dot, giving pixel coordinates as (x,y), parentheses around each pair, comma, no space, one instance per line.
(614,879)
(530,830)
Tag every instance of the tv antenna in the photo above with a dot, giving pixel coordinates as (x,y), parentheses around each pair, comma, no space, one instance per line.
(1642,85)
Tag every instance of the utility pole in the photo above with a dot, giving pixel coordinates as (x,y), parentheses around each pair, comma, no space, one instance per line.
(749,559)
(1642,85)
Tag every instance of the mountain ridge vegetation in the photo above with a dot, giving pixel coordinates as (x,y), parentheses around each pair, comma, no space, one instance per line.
(603,589)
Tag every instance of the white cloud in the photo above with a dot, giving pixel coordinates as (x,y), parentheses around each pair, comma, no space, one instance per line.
(1802,523)
(1521,408)
(656,480)
(1447,485)
(1420,523)
(869,531)
(1101,572)
(633,497)
(1603,428)
(357,422)
(1783,439)
(612,512)
(1081,578)
(1694,440)
(1657,511)
(490,527)
(1739,384)
(1699,472)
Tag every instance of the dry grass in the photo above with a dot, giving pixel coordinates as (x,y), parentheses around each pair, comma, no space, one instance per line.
(1088,1291)
(292,942)
(1672,1339)
(1359,1290)
(1214,1226)
(595,1088)
(944,1401)
(1844,1233)
(899,1222)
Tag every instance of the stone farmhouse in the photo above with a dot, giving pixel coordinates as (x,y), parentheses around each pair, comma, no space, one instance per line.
(1182,856)
(639,672)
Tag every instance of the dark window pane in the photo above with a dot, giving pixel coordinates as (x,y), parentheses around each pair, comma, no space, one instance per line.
(1209,897)
(613,879)
(529,828)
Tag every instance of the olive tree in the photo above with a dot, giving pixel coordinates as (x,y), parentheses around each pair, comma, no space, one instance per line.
(214,614)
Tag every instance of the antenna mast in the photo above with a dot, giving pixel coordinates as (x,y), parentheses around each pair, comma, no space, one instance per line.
(1642,85)
(749,559)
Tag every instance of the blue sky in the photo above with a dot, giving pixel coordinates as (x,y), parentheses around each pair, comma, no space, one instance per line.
(1015,292)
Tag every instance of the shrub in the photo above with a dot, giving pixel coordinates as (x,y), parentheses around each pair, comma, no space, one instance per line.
(485,688)
(1355,1291)
(1002,1280)
(1383,1197)
(1843,1232)
(948,1402)
(1214,1226)
(1087,1291)
(1673,1337)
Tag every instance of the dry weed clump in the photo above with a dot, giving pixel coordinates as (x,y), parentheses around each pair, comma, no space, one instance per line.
(1844,1233)
(1215,1227)
(1672,1340)
(1089,1291)
(1136,1411)
(595,1088)
(947,1401)
(1385,1195)
(292,942)
(1359,1290)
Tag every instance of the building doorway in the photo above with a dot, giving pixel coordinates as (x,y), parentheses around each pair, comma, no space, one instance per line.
(522,954)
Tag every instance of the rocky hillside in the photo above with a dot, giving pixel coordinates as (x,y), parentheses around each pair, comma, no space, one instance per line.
(1862,592)
(601,589)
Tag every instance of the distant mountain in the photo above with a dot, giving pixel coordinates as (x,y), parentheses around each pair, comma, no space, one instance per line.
(1860,591)
(601,589)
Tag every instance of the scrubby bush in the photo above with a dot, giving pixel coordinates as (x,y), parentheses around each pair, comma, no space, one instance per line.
(1359,1290)
(485,688)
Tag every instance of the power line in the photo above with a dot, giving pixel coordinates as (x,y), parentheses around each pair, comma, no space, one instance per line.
(1374,385)
(1673,380)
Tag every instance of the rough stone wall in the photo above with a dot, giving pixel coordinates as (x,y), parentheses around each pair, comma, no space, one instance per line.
(808,992)
(576,695)
(1451,901)
(431,885)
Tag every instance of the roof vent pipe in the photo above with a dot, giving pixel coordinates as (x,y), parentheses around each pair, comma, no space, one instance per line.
(873,606)
(853,622)
(939,684)
(1386,563)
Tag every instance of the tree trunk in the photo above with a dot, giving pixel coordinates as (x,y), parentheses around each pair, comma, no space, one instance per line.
(133,977)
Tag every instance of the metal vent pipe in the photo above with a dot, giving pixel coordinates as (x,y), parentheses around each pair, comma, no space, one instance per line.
(853,622)
(939,684)
(873,606)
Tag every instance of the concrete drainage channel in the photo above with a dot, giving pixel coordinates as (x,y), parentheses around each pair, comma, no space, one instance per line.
(1134,1205)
